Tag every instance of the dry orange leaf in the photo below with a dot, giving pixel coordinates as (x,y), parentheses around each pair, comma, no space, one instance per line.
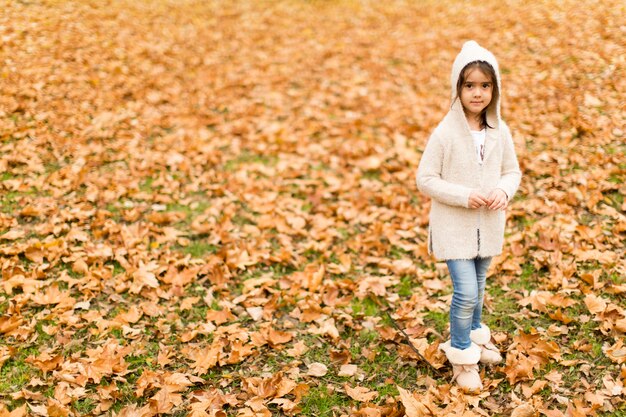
(362,394)
(412,406)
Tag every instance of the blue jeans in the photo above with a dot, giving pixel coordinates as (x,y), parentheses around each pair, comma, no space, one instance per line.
(468,280)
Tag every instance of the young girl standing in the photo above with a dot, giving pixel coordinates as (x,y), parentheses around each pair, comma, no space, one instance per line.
(470,171)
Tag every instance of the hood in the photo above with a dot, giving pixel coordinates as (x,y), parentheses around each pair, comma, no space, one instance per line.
(471,52)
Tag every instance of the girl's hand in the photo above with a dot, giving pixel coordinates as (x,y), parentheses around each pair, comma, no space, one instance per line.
(476,200)
(498,200)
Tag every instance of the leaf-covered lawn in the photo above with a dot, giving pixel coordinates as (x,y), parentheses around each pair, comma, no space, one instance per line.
(209,207)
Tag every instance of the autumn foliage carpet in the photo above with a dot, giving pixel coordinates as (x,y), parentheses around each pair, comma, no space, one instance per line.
(208,208)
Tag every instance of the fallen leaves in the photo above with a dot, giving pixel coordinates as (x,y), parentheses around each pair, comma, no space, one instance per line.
(317,369)
(208,212)
(361,394)
(413,406)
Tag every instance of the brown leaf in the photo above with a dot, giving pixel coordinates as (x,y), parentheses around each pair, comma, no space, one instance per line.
(13,234)
(53,295)
(412,406)
(8,324)
(56,409)
(176,382)
(595,304)
(45,362)
(17,412)
(532,390)
(524,410)
(621,325)
(347,370)
(317,369)
(299,349)
(164,401)
(277,337)
(339,357)
(313,276)
(518,367)
(220,316)
(560,316)
(144,277)
(362,394)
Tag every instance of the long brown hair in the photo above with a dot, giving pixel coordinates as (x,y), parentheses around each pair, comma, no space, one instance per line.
(488,70)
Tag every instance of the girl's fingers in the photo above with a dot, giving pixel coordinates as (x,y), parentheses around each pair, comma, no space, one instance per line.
(498,203)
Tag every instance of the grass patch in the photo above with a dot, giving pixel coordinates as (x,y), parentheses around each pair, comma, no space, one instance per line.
(198,249)
(16,373)
(397,253)
(503,306)
(322,401)
(405,288)
(10,202)
(438,320)
(365,307)
(41,335)
(146,185)
(84,406)
(372,174)
(247,157)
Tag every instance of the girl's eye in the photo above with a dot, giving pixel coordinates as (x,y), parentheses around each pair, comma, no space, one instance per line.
(486,85)
(468,85)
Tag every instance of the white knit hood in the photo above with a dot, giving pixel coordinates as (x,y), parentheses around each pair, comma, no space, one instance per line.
(470,52)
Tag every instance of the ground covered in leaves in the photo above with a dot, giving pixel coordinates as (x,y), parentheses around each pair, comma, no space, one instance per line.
(208,208)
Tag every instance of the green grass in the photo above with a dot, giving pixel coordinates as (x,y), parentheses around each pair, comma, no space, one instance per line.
(247,157)
(141,362)
(16,372)
(10,202)
(198,249)
(619,412)
(406,287)
(396,252)
(146,185)
(84,406)
(320,401)
(437,320)
(117,267)
(41,335)
(372,174)
(365,307)
(503,306)
(7,176)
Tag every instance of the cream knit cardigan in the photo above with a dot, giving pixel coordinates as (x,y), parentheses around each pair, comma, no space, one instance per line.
(449,171)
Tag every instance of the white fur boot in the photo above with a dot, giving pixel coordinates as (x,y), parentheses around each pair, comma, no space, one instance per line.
(489,353)
(464,365)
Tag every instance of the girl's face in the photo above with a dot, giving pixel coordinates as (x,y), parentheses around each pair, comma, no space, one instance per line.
(476,92)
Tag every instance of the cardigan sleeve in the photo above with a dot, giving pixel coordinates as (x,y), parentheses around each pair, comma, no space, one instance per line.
(429,179)
(510,174)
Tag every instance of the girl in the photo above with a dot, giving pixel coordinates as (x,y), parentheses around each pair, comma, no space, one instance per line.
(470,171)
